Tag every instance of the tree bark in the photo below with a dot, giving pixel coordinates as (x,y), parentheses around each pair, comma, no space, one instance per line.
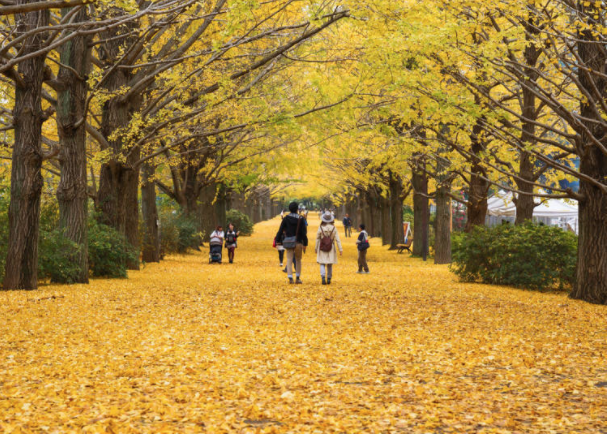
(591,274)
(351,211)
(525,203)
(397,235)
(151,233)
(373,220)
(119,177)
(26,177)
(132,215)
(207,217)
(478,186)
(386,226)
(442,239)
(420,203)
(526,177)
(72,193)
(221,205)
(442,229)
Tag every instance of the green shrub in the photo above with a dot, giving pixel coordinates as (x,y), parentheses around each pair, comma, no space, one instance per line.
(55,257)
(241,222)
(55,251)
(178,233)
(408,214)
(529,256)
(109,251)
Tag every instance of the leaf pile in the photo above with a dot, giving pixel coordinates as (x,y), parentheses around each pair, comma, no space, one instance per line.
(184,346)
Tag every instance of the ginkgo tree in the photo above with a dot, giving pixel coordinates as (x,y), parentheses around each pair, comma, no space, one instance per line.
(143,74)
(356,102)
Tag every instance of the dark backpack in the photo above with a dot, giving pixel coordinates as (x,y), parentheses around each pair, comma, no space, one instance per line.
(326,242)
(230,238)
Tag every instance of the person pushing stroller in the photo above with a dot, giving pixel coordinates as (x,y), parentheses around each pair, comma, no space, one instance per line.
(216,245)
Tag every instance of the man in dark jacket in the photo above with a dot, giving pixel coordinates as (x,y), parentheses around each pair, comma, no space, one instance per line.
(348,225)
(293,225)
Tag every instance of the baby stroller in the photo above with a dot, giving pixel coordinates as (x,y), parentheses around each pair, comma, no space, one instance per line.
(215,253)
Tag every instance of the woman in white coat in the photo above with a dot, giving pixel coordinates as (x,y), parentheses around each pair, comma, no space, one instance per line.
(327,239)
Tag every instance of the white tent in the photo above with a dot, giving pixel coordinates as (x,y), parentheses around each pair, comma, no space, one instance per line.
(555,212)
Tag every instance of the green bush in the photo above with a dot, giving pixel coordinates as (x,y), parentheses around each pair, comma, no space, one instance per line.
(241,222)
(528,256)
(55,257)
(55,251)
(178,233)
(109,251)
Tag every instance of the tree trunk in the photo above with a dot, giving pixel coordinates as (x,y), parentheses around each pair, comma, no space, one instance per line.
(119,179)
(524,206)
(151,235)
(207,215)
(131,225)
(386,233)
(478,186)
(420,203)
(72,193)
(26,177)
(372,214)
(591,275)
(397,235)
(221,206)
(442,229)
(366,212)
(524,202)
(351,211)
(442,239)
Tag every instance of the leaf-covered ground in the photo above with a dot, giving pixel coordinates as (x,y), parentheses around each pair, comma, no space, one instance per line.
(184,346)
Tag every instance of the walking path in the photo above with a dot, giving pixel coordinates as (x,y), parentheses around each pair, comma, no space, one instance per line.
(184,346)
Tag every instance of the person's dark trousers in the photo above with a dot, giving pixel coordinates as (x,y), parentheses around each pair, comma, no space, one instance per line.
(348,231)
(362,260)
(281,255)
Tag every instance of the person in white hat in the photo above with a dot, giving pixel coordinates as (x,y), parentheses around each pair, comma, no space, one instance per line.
(327,239)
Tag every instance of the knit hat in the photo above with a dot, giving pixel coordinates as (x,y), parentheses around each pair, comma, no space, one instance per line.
(327,217)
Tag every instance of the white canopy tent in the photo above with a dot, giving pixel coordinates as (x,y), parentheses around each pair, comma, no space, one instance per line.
(554,212)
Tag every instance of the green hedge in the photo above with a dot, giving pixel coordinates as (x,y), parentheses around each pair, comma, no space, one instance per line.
(109,251)
(527,256)
(55,259)
(241,222)
(178,233)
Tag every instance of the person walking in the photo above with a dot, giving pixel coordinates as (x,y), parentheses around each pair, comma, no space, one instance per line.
(327,239)
(216,244)
(281,252)
(231,236)
(363,245)
(294,241)
(347,221)
(280,249)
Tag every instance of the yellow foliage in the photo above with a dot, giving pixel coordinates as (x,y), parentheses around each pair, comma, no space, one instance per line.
(184,346)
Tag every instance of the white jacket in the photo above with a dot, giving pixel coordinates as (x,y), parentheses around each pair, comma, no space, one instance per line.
(328,257)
